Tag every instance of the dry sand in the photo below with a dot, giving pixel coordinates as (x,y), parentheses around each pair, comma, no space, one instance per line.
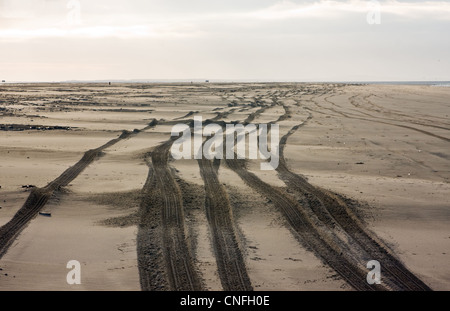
(384,146)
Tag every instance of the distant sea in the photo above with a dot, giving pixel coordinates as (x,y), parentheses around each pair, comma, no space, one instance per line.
(432,83)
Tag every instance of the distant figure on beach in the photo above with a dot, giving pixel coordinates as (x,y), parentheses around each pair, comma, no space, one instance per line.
(109,83)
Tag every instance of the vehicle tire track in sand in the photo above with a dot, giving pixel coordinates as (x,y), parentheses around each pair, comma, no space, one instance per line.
(399,277)
(379,120)
(40,196)
(253,115)
(323,202)
(230,262)
(162,198)
(389,112)
(305,230)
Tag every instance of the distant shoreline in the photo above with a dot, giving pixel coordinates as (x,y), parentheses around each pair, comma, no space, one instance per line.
(196,81)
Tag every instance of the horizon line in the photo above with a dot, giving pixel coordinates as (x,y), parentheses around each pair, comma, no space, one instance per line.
(199,80)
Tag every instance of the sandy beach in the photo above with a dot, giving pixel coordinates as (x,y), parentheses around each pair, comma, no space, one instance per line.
(364,175)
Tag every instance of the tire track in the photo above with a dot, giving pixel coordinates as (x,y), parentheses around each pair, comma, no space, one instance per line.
(231,266)
(164,258)
(323,203)
(163,201)
(379,120)
(384,111)
(409,118)
(223,114)
(253,115)
(190,113)
(305,230)
(148,242)
(40,196)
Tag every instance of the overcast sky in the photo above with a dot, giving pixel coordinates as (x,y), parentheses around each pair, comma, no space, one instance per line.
(301,40)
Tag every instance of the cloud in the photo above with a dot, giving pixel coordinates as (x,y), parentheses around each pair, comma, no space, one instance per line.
(328,8)
(121,32)
(55,18)
(253,39)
